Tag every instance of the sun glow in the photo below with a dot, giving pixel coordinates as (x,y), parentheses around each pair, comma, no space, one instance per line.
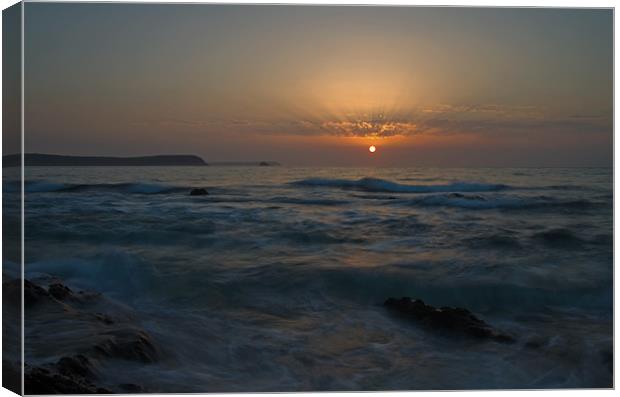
(372,149)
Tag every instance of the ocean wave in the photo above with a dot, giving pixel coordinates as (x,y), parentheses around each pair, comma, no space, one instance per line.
(458,200)
(114,272)
(136,188)
(33,186)
(309,201)
(382,185)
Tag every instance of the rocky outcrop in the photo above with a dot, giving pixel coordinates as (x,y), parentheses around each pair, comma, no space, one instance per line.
(59,291)
(446,320)
(33,294)
(100,337)
(198,192)
(70,375)
(128,344)
(77,365)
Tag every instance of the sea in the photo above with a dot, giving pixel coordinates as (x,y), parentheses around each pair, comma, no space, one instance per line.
(275,280)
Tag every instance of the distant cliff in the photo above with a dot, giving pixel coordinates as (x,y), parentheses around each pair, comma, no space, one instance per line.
(36,159)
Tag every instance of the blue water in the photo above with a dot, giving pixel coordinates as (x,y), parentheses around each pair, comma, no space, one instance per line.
(275,280)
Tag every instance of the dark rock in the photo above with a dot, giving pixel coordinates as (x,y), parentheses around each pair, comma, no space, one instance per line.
(39,380)
(446,319)
(33,294)
(78,365)
(104,318)
(59,291)
(198,192)
(131,388)
(129,345)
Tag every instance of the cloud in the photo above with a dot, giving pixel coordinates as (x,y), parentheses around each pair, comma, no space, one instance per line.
(369,128)
(443,119)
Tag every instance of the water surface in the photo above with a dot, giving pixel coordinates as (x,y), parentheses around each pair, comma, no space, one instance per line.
(275,280)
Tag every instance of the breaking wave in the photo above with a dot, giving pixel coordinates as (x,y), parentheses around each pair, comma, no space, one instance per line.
(48,187)
(382,185)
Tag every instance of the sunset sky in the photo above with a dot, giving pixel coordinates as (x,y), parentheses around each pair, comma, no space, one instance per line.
(317,85)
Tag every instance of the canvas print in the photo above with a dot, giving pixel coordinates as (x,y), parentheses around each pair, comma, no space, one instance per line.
(287,198)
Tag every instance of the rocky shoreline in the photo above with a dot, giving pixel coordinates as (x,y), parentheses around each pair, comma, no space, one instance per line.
(76,372)
(446,320)
(93,333)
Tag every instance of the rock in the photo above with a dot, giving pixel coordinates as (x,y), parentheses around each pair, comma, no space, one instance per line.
(446,319)
(59,291)
(39,380)
(74,366)
(131,388)
(129,344)
(198,192)
(104,318)
(33,294)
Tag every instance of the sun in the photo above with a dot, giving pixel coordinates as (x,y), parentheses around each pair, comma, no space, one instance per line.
(372,149)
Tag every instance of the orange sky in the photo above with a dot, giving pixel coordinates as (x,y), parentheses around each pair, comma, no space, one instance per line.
(317,85)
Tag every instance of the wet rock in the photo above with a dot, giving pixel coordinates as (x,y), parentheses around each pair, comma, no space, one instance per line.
(446,319)
(39,380)
(34,294)
(104,318)
(198,192)
(76,366)
(60,291)
(85,296)
(129,345)
(131,388)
